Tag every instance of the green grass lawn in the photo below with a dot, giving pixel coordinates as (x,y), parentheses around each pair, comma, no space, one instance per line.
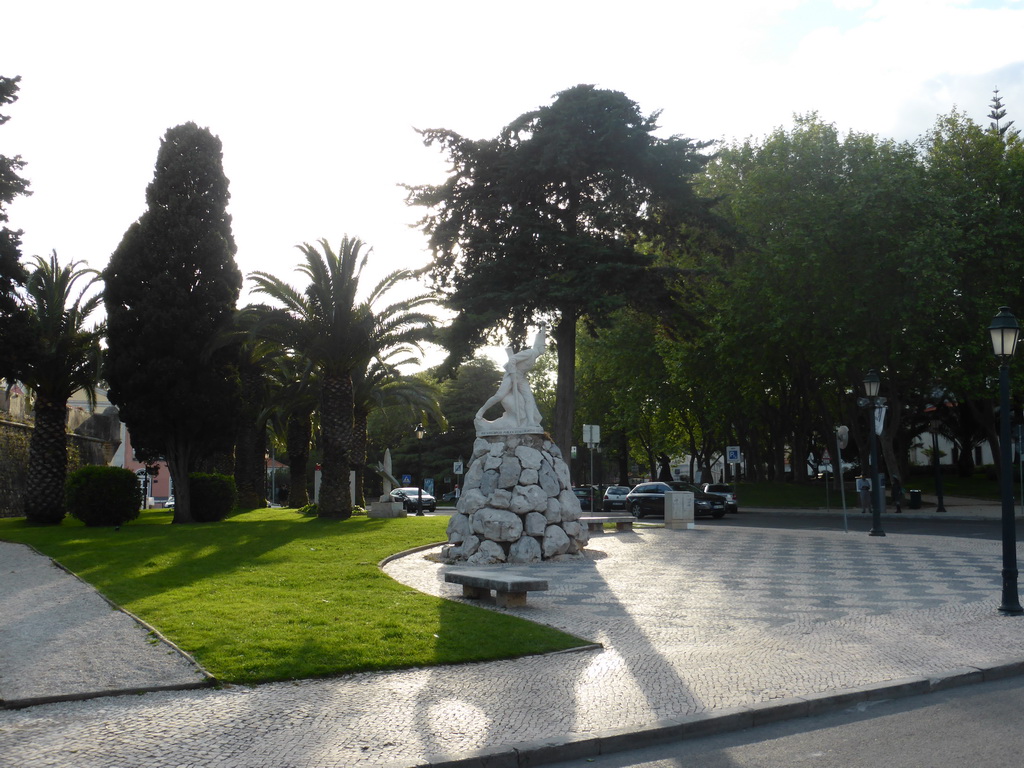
(272,595)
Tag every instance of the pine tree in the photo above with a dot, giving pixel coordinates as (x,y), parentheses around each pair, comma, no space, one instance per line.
(542,223)
(998,112)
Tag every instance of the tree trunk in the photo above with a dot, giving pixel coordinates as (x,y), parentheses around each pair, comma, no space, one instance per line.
(47,464)
(336,430)
(251,464)
(179,461)
(358,456)
(623,458)
(565,390)
(300,432)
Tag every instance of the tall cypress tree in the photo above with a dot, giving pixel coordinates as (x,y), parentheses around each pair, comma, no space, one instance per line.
(13,317)
(171,289)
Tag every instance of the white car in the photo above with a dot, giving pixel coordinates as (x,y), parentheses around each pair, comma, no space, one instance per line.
(615,498)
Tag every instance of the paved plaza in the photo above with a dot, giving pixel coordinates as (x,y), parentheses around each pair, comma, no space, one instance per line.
(694,627)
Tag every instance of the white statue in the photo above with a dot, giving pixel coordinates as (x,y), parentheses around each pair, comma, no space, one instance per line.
(384,470)
(521,414)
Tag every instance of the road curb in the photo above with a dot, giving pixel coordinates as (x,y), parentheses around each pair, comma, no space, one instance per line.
(713,722)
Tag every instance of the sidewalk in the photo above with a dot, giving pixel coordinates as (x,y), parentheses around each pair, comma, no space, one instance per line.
(699,631)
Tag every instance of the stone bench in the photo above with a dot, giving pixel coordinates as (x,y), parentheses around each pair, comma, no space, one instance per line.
(509,589)
(595,523)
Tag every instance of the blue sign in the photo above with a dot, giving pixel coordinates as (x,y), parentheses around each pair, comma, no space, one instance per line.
(406,479)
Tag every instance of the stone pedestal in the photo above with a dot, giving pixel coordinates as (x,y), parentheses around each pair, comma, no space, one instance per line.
(517,504)
(386,509)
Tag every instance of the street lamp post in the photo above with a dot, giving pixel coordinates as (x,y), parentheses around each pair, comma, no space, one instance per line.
(871,386)
(1005,331)
(419,469)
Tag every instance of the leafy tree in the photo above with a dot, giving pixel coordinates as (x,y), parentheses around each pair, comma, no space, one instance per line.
(65,358)
(13,318)
(540,222)
(630,392)
(839,249)
(975,175)
(171,289)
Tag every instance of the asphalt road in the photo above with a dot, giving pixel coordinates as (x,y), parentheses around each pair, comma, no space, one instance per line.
(978,726)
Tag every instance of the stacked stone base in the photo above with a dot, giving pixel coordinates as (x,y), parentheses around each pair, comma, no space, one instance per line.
(517,504)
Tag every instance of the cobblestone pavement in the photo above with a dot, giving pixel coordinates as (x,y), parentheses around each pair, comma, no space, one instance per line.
(59,638)
(691,622)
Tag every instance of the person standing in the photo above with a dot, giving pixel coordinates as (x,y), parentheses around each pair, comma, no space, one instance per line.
(897,493)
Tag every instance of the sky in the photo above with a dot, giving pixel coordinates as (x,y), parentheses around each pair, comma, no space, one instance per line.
(317,103)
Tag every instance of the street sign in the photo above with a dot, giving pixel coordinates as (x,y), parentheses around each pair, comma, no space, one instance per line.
(457,468)
(406,479)
(732,454)
(591,434)
(826,457)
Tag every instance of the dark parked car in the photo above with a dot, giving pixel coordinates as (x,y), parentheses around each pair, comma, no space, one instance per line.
(410,498)
(727,492)
(649,499)
(615,498)
(585,494)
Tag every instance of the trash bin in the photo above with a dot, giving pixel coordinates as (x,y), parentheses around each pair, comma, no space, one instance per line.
(915,499)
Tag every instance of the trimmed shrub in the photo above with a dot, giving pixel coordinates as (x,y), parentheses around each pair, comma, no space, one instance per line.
(101,496)
(213,496)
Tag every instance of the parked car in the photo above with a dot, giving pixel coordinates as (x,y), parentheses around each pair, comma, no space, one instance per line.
(585,494)
(450,496)
(649,499)
(410,498)
(727,492)
(615,498)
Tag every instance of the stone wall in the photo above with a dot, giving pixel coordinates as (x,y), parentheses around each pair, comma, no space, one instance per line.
(94,440)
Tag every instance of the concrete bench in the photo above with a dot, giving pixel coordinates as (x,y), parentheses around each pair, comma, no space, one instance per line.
(595,523)
(509,589)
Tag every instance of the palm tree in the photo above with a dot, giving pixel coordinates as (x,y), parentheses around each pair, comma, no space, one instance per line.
(65,358)
(382,385)
(290,408)
(326,324)
(340,337)
(256,361)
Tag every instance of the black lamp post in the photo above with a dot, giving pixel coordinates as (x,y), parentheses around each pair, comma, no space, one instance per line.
(1005,331)
(871,386)
(419,469)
